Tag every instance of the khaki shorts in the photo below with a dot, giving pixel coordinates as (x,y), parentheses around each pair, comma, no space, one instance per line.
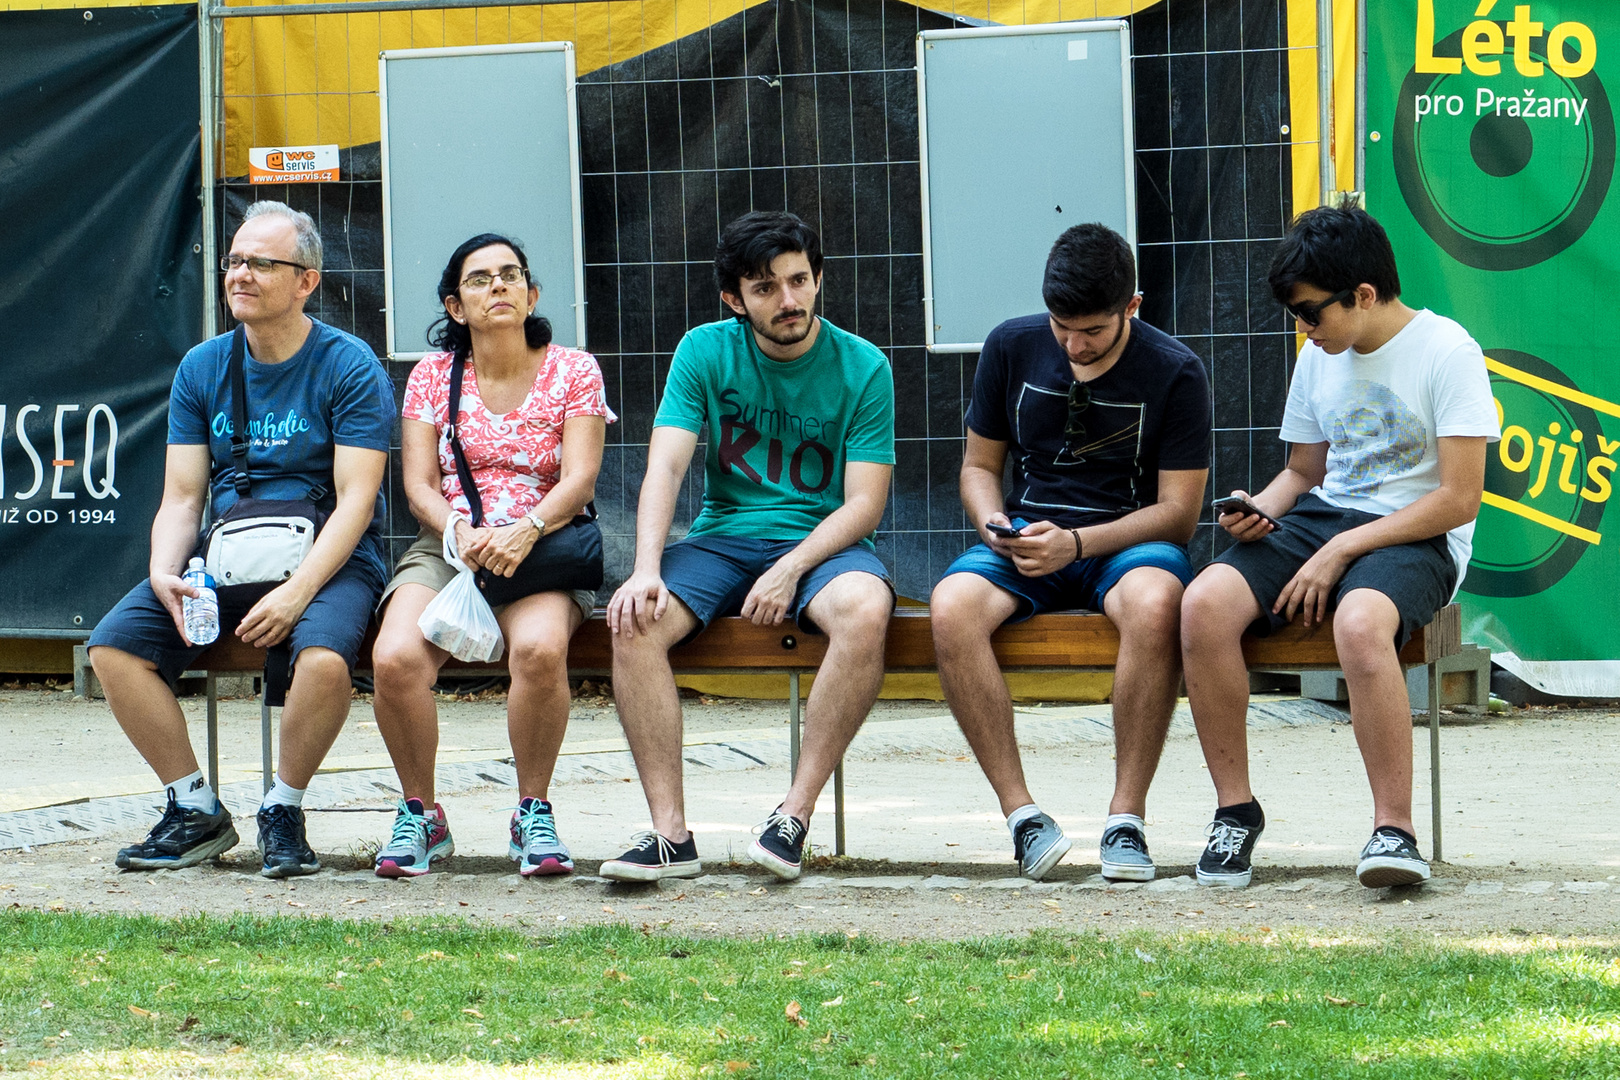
(423,564)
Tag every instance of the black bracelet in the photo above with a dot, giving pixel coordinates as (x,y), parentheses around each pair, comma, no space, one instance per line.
(1076,533)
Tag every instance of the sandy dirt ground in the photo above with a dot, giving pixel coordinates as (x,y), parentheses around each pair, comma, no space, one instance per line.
(1532,839)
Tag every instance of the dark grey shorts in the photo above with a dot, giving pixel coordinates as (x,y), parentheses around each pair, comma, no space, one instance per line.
(1418,578)
(336,619)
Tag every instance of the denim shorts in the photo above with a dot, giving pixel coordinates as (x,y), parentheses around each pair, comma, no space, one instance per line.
(1079,586)
(1418,577)
(712,574)
(336,619)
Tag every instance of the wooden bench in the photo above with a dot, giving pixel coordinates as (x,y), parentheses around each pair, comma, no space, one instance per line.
(1057,642)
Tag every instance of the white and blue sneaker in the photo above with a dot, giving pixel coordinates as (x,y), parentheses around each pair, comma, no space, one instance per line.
(534,845)
(419,838)
(1125,854)
(1038,844)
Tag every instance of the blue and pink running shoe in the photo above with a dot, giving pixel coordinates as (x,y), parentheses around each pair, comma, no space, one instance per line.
(419,838)
(535,847)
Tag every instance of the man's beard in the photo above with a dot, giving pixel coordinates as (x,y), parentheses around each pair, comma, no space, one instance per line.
(1098,356)
(780,335)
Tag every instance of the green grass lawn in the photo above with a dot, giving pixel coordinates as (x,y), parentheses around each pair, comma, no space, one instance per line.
(106,996)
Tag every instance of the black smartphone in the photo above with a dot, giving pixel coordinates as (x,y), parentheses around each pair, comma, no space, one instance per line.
(1232,504)
(1002,530)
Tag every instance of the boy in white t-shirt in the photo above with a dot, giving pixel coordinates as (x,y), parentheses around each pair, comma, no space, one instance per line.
(1388,418)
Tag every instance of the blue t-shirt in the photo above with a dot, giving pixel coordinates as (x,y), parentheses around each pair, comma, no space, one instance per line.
(332,391)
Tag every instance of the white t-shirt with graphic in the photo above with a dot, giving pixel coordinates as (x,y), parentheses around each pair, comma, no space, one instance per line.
(1381,412)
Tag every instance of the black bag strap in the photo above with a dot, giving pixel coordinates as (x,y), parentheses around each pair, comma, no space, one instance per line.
(239,427)
(239,422)
(463,471)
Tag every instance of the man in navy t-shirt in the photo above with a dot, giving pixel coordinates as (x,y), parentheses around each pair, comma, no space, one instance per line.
(320,416)
(1108,424)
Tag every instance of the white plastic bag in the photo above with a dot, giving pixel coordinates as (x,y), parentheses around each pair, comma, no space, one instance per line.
(459,620)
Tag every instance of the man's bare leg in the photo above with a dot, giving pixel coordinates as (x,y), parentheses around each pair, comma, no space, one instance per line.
(317,706)
(1364,628)
(1217,608)
(853,611)
(965,611)
(146,709)
(1145,607)
(650,711)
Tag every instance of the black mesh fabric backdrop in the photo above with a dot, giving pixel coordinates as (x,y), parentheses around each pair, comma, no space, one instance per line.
(811,106)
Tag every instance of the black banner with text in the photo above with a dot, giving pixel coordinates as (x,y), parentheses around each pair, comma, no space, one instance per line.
(100,295)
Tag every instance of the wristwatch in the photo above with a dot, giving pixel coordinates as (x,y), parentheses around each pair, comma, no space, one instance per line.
(534,518)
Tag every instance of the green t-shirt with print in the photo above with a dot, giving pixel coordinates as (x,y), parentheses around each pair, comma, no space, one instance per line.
(779,432)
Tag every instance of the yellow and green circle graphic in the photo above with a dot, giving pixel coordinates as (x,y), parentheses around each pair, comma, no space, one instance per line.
(1503,171)
(1546,483)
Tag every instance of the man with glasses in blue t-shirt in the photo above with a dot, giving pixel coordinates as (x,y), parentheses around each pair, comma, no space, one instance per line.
(1107,421)
(321,414)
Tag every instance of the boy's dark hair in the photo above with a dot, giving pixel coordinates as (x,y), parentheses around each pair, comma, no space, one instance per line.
(1090,271)
(1334,248)
(453,337)
(749,244)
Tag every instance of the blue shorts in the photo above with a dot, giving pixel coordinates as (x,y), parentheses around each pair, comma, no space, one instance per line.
(1080,585)
(336,619)
(712,574)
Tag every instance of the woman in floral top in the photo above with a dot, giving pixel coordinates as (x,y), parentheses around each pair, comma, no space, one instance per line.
(532,420)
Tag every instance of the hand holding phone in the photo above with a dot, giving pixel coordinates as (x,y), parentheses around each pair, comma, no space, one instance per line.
(1237,504)
(1002,530)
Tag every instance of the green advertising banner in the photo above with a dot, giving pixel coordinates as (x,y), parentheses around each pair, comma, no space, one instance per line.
(1490,160)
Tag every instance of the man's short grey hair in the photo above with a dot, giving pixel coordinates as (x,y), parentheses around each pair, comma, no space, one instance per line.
(308,251)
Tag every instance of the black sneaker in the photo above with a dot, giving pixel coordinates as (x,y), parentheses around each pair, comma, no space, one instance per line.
(1226,857)
(780,847)
(281,841)
(651,857)
(1390,858)
(182,837)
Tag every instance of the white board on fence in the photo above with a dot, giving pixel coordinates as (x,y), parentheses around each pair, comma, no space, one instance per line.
(1025,131)
(479,139)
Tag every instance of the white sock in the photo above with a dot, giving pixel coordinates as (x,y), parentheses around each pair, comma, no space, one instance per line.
(193,792)
(1125,819)
(280,794)
(1023,813)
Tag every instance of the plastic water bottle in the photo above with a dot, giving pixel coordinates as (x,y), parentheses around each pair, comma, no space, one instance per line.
(202,612)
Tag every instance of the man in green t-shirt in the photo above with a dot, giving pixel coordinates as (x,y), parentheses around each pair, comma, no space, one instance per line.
(800,418)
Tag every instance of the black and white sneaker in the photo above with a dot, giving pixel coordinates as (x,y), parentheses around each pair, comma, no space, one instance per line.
(282,844)
(651,857)
(1391,858)
(780,847)
(1225,860)
(182,837)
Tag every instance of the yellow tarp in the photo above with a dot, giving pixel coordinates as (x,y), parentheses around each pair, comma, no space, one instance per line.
(307,79)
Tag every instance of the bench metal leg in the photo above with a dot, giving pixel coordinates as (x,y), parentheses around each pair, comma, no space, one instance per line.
(793,726)
(838,808)
(264,744)
(1434,756)
(213,733)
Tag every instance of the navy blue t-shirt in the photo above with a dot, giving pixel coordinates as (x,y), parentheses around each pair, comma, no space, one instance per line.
(1150,411)
(332,391)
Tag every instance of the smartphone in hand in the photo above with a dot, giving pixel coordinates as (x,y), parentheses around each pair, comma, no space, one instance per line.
(1233,504)
(1002,530)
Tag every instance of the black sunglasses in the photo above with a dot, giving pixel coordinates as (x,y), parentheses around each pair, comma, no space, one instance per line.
(1311,314)
(1074,432)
